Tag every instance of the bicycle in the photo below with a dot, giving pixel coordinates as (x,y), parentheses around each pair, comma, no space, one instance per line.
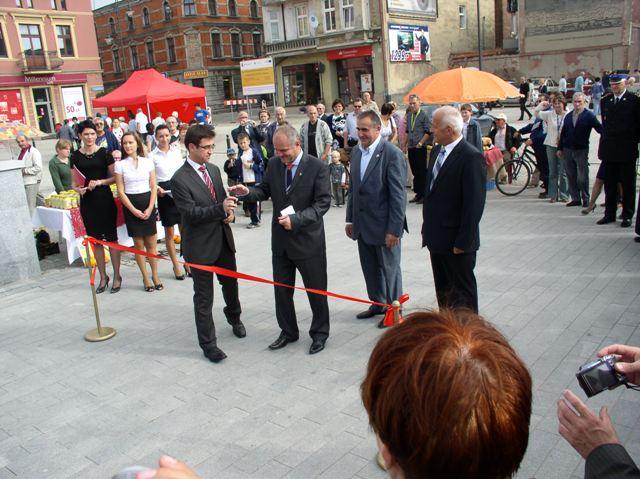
(517,171)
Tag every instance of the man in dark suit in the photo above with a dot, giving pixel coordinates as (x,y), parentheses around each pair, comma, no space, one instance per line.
(618,149)
(300,190)
(249,127)
(454,199)
(376,211)
(206,236)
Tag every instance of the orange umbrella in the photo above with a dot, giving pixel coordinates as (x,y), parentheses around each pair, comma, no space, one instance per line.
(462,85)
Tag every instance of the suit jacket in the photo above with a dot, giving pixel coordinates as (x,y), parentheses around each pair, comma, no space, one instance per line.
(376,205)
(203,230)
(452,209)
(621,128)
(254,135)
(610,461)
(310,196)
(576,137)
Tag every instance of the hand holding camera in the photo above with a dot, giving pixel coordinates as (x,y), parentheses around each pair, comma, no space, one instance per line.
(627,360)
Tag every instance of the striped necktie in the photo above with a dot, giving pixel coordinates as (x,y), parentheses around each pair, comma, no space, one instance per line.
(437,166)
(207,181)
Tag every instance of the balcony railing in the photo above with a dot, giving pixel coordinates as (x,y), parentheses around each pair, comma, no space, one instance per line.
(291,45)
(38,62)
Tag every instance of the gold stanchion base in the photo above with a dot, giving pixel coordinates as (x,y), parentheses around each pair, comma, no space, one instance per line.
(94,335)
(380,461)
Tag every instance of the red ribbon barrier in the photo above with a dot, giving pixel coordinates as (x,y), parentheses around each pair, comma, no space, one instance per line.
(248,277)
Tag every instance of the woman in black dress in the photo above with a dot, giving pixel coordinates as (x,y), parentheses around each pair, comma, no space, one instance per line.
(337,122)
(97,207)
(137,188)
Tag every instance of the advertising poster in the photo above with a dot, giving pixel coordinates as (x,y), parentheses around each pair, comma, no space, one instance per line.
(11,106)
(73,100)
(409,43)
(257,77)
(428,8)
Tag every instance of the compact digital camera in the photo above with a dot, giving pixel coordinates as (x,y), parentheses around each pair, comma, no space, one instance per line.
(596,376)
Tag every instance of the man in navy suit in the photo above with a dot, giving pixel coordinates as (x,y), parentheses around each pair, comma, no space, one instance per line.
(455,192)
(376,211)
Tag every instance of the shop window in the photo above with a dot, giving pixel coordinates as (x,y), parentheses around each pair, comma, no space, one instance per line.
(65,42)
(150,56)
(213,8)
(166,8)
(135,63)
(233,9)
(253,9)
(257,44)
(274,26)
(117,66)
(31,41)
(112,26)
(236,45)
(189,8)
(347,14)
(145,17)
(3,45)
(216,45)
(462,15)
(302,20)
(329,15)
(171,49)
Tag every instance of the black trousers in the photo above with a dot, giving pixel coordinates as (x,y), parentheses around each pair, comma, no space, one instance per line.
(523,108)
(314,275)
(418,165)
(203,297)
(624,173)
(455,282)
(540,152)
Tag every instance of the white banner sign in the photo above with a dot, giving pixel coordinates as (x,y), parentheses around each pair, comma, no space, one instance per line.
(257,77)
(73,100)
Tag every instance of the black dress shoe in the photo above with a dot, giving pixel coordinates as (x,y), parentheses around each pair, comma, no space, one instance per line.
(625,223)
(238,330)
(573,203)
(281,342)
(605,221)
(215,354)
(100,289)
(369,313)
(637,239)
(316,346)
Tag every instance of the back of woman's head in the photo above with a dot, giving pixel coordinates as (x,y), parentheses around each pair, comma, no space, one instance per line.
(449,398)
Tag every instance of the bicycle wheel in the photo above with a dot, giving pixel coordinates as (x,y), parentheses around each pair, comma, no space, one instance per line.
(513,177)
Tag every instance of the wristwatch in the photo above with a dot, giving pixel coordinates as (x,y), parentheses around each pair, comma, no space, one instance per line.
(419,145)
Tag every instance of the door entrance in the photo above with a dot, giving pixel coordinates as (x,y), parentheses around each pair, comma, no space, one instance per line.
(44,109)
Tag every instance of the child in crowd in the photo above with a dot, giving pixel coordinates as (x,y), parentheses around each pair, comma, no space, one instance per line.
(232,168)
(338,177)
(252,171)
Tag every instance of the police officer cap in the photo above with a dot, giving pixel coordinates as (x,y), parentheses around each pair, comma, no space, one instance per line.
(231,151)
(618,77)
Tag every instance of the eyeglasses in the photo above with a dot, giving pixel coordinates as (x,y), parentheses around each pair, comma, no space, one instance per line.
(206,147)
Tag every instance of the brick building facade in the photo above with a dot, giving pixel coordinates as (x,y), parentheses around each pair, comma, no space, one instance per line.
(197,42)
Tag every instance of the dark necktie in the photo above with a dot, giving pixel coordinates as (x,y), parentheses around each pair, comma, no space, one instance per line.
(289,174)
(207,181)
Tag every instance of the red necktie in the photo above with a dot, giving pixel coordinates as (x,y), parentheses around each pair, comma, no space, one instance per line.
(207,181)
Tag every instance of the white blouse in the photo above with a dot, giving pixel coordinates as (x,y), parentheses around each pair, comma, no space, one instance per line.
(387,130)
(553,125)
(136,180)
(166,163)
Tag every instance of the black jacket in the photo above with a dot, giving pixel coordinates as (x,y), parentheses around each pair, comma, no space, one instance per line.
(512,137)
(254,135)
(621,128)
(610,461)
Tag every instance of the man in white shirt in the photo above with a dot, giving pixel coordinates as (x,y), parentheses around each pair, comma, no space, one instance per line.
(352,134)
(141,123)
(158,120)
(562,85)
(31,169)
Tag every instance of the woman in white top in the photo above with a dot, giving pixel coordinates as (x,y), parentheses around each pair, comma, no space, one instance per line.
(167,159)
(136,181)
(388,129)
(553,120)
(116,129)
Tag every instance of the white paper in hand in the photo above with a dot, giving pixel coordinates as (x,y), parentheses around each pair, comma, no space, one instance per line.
(288,211)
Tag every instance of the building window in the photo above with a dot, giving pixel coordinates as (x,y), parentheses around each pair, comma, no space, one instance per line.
(150,57)
(166,8)
(112,26)
(3,45)
(257,44)
(213,8)
(329,15)
(189,8)
(462,15)
(145,17)
(129,21)
(216,45)
(274,26)
(171,49)
(65,43)
(63,4)
(31,42)
(253,9)
(302,20)
(54,5)
(135,64)
(236,45)
(233,10)
(347,14)
(24,4)
(117,66)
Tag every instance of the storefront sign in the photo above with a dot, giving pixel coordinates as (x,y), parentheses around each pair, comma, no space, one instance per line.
(57,79)
(363,51)
(428,8)
(74,104)
(11,106)
(257,77)
(409,43)
(192,75)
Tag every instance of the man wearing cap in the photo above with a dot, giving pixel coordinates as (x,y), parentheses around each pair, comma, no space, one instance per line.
(506,138)
(618,149)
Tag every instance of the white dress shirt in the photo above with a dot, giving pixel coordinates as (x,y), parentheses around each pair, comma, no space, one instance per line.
(166,163)
(366,155)
(448,148)
(136,180)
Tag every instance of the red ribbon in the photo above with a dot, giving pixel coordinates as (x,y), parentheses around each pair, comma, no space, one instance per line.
(257,279)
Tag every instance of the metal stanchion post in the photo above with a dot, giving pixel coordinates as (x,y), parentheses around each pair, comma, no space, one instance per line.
(100,333)
(396,312)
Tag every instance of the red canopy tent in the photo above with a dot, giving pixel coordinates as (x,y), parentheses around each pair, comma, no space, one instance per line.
(149,90)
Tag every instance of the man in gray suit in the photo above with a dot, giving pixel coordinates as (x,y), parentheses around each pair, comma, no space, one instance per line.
(376,211)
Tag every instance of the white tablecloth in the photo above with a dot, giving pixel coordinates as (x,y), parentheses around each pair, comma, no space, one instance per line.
(60,220)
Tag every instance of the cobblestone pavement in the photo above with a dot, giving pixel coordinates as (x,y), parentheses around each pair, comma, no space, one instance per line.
(556,284)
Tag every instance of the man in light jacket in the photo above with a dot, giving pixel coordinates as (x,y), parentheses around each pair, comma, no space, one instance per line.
(316,136)
(31,170)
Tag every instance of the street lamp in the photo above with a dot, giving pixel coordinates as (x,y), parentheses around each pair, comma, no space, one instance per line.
(479,37)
